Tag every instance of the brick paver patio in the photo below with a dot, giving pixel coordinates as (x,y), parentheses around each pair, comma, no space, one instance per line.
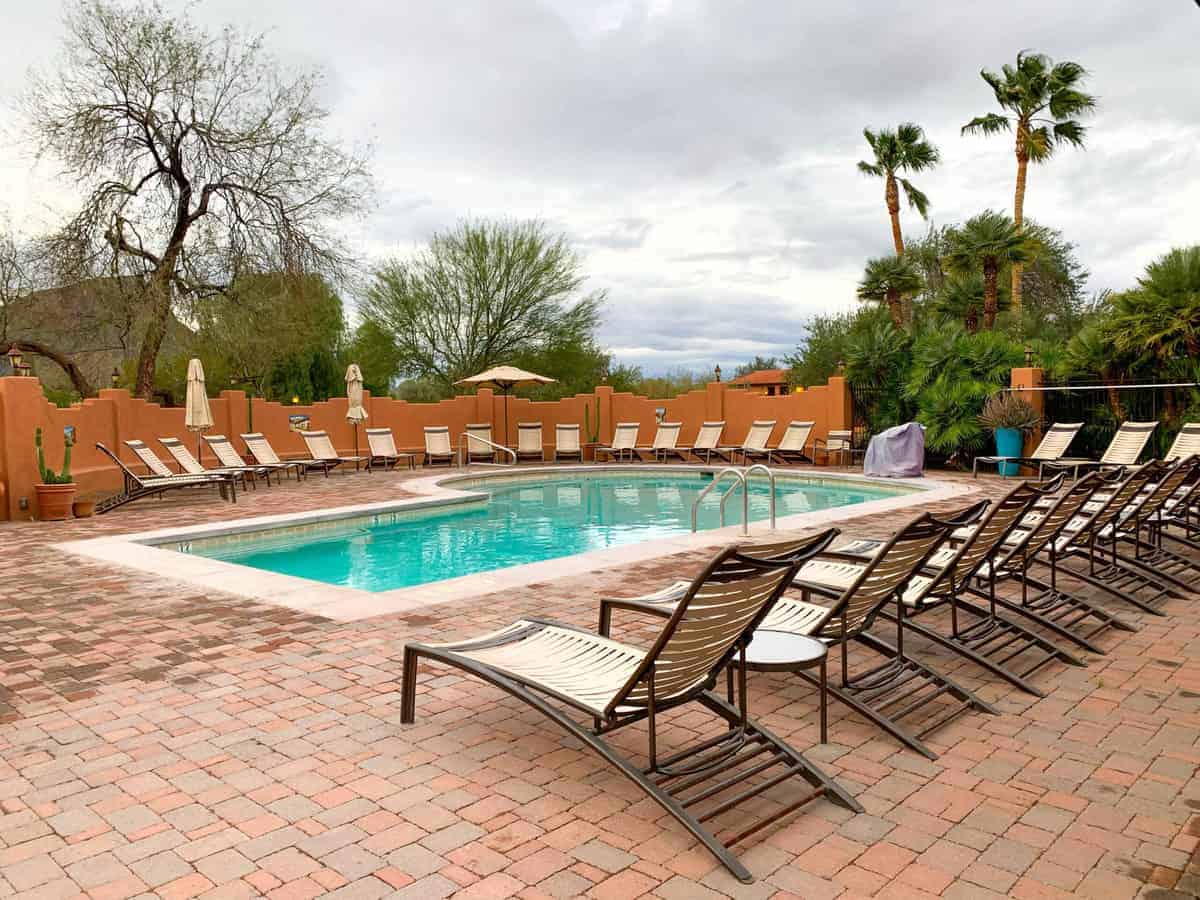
(156,741)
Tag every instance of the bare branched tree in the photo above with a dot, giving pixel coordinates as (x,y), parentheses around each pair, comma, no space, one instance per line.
(199,156)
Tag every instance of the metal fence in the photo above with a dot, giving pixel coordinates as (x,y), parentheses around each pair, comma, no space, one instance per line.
(1102,407)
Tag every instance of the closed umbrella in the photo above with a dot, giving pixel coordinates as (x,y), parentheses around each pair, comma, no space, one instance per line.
(197,416)
(355,412)
(505,378)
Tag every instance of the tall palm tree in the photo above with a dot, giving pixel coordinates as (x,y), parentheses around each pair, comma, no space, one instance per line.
(887,279)
(902,150)
(1041,100)
(962,299)
(984,244)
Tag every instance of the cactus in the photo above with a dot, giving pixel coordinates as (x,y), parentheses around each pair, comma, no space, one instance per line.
(48,475)
(592,432)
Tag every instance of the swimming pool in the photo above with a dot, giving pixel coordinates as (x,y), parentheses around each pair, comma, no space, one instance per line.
(514,521)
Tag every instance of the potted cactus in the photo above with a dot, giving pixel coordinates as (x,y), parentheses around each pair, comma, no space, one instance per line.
(591,432)
(56,492)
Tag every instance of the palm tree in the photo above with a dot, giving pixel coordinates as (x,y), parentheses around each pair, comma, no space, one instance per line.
(888,279)
(984,244)
(1040,99)
(962,299)
(902,150)
(1161,316)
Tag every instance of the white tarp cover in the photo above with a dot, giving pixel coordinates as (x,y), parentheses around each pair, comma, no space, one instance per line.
(897,453)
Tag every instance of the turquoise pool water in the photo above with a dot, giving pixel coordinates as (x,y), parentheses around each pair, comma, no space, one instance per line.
(521,521)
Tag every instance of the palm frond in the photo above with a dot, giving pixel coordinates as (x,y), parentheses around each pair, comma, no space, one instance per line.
(870,169)
(1070,132)
(992,123)
(916,198)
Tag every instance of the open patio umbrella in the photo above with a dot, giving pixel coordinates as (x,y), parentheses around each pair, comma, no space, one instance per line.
(505,378)
(355,412)
(197,416)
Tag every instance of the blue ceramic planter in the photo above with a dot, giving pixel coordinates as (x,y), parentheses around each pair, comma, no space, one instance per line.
(1009,442)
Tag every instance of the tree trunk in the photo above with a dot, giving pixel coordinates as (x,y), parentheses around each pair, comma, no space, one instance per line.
(892,196)
(990,293)
(158,296)
(1018,269)
(79,381)
(971,320)
(896,309)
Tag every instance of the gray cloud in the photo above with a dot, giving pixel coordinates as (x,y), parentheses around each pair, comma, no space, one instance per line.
(701,153)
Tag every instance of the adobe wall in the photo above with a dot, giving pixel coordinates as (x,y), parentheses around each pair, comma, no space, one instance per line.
(115,416)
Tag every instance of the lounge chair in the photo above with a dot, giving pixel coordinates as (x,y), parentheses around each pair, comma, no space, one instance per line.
(1123,450)
(755,443)
(189,465)
(839,443)
(438,449)
(566,443)
(529,442)
(858,590)
(666,440)
(981,634)
(480,446)
(321,447)
(138,486)
(1050,448)
(624,443)
(792,445)
(381,449)
(548,666)
(1186,443)
(260,448)
(229,458)
(708,439)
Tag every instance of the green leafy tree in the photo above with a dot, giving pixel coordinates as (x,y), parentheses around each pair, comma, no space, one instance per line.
(903,150)
(377,355)
(823,349)
(877,356)
(1041,102)
(1161,316)
(479,296)
(889,279)
(756,365)
(984,244)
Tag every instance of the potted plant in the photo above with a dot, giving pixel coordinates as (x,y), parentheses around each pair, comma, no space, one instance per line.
(1009,419)
(591,432)
(56,492)
(84,507)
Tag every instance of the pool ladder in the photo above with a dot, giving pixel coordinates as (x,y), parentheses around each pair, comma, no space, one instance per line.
(741,478)
(464,451)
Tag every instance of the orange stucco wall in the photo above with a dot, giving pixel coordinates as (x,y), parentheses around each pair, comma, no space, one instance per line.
(114,416)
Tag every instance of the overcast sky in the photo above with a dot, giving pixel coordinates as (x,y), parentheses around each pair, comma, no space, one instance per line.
(701,153)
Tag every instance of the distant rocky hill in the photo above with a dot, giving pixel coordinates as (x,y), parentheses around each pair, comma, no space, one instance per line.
(97,323)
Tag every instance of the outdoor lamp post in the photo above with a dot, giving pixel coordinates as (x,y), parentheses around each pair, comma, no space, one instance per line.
(717,371)
(1028,356)
(115,377)
(14,359)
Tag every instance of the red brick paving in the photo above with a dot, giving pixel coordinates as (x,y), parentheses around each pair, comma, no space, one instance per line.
(158,741)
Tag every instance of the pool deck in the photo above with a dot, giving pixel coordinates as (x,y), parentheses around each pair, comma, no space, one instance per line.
(161,740)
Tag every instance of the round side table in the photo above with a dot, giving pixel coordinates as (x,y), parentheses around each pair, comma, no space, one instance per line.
(783,651)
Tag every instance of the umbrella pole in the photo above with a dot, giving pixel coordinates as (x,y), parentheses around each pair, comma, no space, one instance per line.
(356,438)
(506,418)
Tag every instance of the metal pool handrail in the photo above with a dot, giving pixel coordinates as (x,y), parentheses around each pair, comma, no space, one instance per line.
(770,478)
(741,479)
(462,445)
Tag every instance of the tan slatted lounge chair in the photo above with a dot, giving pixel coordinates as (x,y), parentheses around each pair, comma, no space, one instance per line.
(550,666)
(566,443)
(1053,445)
(708,440)
(438,449)
(189,465)
(479,443)
(529,442)
(1186,443)
(755,443)
(138,486)
(1123,450)
(793,443)
(381,445)
(857,590)
(624,443)
(321,447)
(230,459)
(260,448)
(665,445)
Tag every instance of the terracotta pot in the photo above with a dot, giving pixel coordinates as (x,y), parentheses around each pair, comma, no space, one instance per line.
(54,501)
(589,450)
(84,509)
